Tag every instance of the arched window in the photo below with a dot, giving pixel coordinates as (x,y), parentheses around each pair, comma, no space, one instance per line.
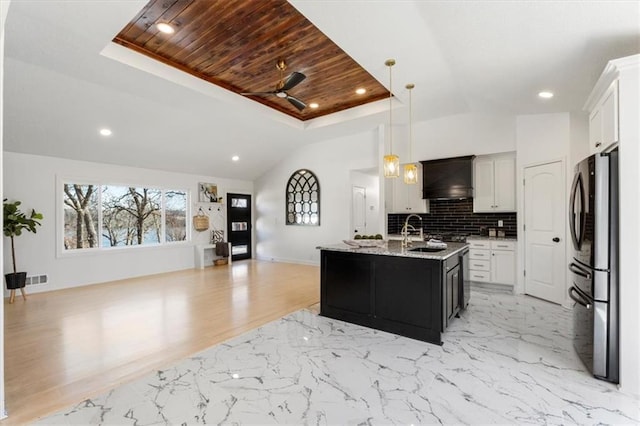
(303,199)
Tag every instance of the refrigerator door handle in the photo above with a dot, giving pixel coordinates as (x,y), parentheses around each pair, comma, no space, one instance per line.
(579,271)
(577,219)
(579,299)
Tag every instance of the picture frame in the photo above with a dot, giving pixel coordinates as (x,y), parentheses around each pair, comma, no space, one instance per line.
(207,192)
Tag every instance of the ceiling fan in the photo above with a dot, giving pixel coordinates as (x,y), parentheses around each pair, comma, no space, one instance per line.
(284,85)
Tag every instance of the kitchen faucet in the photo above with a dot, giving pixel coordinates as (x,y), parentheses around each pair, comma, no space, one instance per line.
(405,230)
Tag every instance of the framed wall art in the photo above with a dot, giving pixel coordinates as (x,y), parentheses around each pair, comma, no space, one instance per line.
(207,192)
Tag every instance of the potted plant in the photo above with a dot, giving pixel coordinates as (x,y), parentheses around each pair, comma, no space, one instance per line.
(15,221)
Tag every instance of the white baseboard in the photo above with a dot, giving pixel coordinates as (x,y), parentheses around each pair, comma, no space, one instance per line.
(283,260)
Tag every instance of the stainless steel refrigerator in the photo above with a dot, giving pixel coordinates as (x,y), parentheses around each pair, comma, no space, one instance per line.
(593,222)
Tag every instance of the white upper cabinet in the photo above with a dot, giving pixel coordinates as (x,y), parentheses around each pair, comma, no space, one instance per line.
(494,183)
(404,198)
(603,120)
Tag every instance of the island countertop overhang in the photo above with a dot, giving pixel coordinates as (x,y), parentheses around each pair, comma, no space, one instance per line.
(394,248)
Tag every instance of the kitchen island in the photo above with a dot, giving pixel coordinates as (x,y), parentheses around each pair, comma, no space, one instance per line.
(393,288)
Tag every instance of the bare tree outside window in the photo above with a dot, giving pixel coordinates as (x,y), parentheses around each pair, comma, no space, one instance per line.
(131,216)
(175,212)
(80,216)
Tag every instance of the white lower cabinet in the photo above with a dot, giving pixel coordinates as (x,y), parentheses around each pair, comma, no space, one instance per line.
(492,261)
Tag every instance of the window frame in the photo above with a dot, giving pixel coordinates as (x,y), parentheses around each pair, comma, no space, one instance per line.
(60,218)
(296,177)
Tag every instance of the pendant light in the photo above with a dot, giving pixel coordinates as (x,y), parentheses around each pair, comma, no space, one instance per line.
(390,163)
(411,169)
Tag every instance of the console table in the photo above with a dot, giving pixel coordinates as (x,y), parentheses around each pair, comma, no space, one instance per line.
(199,254)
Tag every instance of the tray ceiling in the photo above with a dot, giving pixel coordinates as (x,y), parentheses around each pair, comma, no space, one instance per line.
(236,45)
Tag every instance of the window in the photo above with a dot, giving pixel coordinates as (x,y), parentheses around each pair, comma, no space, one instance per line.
(175,216)
(240,203)
(303,199)
(80,216)
(103,216)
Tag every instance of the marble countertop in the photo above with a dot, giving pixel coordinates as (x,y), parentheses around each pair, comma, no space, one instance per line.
(394,248)
(478,237)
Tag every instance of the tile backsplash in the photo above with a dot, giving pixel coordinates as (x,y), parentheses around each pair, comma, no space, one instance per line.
(457,217)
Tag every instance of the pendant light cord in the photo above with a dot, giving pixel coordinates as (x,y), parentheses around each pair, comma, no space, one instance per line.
(390,113)
(410,123)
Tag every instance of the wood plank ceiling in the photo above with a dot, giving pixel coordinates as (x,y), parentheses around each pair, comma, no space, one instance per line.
(236,44)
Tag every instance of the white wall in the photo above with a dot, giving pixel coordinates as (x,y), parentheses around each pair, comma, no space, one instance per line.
(579,143)
(332,162)
(4,10)
(543,138)
(371,184)
(458,135)
(33,180)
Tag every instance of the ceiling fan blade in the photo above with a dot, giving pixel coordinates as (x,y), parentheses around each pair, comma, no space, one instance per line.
(257,93)
(292,81)
(296,102)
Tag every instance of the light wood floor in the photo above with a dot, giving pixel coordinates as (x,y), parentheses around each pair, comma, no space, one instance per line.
(64,346)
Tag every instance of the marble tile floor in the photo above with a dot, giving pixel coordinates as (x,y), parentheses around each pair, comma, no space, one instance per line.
(507,360)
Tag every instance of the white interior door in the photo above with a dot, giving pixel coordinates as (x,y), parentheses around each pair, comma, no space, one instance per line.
(359,210)
(545,221)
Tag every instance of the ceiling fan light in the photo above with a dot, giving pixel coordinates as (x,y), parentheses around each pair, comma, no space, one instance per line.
(410,174)
(391,166)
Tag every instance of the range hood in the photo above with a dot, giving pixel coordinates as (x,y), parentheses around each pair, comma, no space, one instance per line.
(448,178)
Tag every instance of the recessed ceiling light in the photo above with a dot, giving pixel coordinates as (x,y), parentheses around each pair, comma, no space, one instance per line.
(361,91)
(165,28)
(546,95)
(105,132)
(235,158)
(313,105)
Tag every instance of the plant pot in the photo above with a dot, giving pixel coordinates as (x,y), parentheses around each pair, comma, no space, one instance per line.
(17,280)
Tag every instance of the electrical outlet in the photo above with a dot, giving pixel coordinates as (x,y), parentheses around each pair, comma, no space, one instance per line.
(500,224)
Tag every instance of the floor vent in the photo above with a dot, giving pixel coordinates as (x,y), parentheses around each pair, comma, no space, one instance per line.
(37,279)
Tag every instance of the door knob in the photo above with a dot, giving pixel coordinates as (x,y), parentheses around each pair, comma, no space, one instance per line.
(556,240)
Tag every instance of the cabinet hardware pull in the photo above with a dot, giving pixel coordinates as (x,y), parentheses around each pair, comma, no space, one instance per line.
(598,144)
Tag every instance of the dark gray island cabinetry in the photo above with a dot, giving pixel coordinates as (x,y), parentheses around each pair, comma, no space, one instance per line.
(393,289)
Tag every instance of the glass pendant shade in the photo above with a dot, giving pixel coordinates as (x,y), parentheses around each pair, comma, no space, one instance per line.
(411,169)
(391,166)
(410,174)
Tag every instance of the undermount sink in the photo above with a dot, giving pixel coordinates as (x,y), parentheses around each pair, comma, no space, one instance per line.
(427,249)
